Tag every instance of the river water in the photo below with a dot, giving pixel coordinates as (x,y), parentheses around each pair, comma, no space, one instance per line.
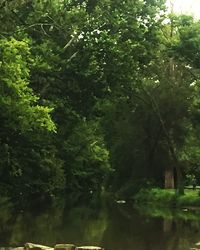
(108,224)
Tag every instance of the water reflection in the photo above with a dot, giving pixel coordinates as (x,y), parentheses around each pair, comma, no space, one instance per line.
(112,226)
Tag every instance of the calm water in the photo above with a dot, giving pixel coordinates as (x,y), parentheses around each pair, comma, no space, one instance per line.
(110,225)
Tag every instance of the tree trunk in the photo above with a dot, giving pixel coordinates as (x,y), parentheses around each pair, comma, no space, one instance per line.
(169,178)
(180,184)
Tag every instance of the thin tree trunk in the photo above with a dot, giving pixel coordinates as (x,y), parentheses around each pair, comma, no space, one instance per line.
(169,178)
(180,186)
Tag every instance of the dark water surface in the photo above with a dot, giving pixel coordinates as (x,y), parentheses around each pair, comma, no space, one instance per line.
(107,224)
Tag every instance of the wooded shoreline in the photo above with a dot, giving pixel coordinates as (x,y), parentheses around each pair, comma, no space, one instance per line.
(97,96)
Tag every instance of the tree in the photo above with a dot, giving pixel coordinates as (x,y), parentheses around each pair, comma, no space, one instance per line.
(23,123)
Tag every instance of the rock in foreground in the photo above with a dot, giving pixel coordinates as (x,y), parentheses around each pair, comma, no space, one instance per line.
(65,247)
(89,248)
(31,246)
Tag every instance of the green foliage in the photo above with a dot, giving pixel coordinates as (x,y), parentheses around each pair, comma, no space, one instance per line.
(18,101)
(88,87)
(191,198)
(158,196)
(25,124)
(189,46)
(91,163)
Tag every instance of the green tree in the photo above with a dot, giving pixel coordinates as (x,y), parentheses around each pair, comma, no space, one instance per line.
(23,123)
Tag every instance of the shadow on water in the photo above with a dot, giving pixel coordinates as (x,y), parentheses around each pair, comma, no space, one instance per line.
(103,223)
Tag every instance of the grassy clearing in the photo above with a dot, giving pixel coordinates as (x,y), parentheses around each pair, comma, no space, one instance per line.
(168,198)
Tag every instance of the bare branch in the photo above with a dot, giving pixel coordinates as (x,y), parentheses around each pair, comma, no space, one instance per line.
(69,43)
(44,30)
(72,57)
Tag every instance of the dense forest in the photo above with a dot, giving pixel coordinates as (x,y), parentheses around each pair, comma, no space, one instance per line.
(97,95)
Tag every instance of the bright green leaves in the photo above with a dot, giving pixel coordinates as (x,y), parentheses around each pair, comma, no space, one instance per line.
(25,127)
(20,104)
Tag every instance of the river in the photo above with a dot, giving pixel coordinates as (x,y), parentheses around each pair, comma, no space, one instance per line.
(107,224)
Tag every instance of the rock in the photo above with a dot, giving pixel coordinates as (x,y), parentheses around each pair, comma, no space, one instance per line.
(121,201)
(89,248)
(65,247)
(32,246)
(11,248)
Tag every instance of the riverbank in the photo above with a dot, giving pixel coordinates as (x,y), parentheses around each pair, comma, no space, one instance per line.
(168,198)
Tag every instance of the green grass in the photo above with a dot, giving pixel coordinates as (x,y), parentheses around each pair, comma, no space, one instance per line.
(191,198)
(168,198)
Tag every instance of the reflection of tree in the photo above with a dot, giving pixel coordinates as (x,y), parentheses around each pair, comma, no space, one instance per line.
(143,232)
(167,225)
(7,219)
(85,225)
(80,225)
(18,227)
(180,233)
(114,227)
(131,231)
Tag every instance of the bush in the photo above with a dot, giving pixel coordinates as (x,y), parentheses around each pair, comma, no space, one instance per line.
(156,195)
